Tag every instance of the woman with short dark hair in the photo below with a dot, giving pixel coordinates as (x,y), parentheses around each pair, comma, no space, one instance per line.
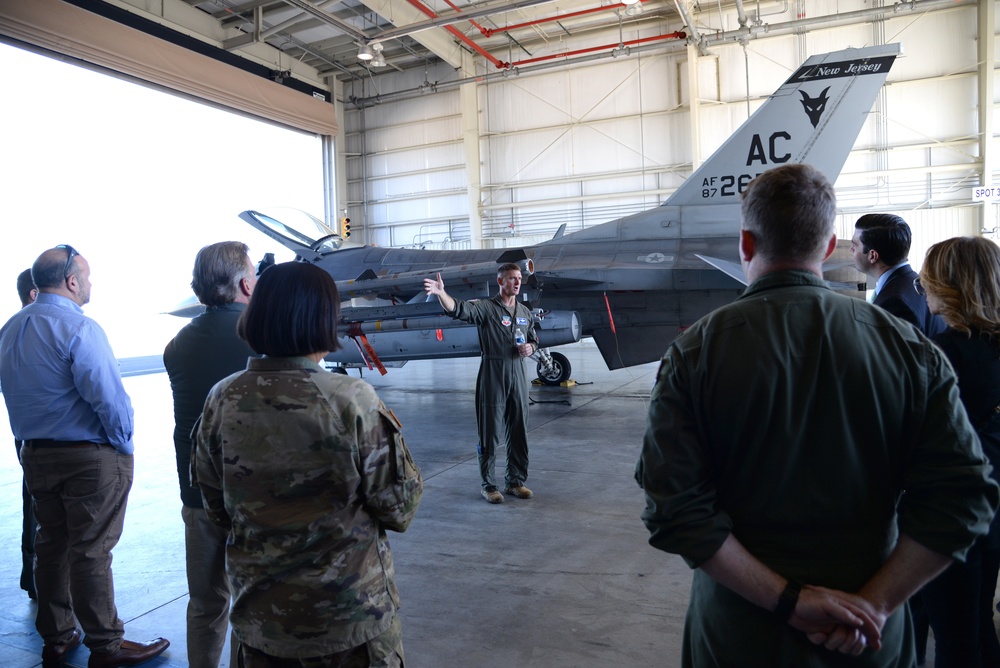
(307,470)
(296,315)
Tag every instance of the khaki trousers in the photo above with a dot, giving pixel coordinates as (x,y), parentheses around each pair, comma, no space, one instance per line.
(80,494)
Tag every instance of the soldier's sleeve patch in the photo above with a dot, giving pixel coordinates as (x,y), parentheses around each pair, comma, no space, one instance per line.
(399,454)
(395,492)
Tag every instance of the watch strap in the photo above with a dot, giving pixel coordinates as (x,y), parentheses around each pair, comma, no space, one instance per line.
(787,600)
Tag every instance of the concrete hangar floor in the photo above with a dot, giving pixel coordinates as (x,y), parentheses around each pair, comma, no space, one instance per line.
(563,580)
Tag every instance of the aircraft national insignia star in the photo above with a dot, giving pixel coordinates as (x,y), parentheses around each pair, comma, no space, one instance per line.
(653,258)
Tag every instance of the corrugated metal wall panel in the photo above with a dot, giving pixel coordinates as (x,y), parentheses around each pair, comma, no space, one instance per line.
(588,143)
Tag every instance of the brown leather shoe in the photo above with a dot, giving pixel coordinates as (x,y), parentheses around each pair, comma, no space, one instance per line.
(54,654)
(129,654)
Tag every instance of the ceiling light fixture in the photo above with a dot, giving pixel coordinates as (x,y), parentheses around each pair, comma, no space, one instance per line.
(629,3)
(634,9)
(379,60)
(365,52)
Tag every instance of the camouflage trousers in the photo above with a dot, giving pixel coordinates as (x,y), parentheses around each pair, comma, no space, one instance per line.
(384,651)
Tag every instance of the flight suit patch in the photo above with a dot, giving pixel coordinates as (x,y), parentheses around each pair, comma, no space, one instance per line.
(505,320)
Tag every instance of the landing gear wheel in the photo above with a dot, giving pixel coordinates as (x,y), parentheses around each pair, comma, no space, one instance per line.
(560,371)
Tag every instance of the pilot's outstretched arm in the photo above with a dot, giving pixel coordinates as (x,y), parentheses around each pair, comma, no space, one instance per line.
(436,287)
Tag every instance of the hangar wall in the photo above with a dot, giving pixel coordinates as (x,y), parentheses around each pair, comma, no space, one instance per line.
(585,143)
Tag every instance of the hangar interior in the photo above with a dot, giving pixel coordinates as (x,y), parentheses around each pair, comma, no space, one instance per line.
(491,124)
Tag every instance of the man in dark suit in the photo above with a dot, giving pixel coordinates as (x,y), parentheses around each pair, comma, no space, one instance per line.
(880,246)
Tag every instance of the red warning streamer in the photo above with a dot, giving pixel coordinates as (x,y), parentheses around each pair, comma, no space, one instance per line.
(370,351)
(361,350)
(611,318)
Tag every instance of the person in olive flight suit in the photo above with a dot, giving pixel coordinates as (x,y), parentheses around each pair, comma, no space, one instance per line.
(502,384)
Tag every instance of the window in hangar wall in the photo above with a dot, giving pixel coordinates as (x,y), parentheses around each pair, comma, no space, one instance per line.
(137,180)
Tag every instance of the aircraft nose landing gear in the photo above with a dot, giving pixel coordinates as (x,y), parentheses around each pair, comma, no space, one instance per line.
(553,368)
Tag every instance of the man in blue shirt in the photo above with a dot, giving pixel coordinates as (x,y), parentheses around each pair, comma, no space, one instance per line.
(66,403)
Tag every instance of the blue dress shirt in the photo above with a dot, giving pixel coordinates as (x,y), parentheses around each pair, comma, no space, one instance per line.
(60,379)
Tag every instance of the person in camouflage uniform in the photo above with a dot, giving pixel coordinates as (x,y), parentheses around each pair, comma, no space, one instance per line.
(307,470)
(502,384)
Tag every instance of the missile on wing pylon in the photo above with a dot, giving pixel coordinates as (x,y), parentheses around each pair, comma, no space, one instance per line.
(438,337)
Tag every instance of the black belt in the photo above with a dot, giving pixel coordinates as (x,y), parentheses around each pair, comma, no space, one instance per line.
(49,443)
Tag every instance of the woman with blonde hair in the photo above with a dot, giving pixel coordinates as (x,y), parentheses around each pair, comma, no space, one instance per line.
(961,279)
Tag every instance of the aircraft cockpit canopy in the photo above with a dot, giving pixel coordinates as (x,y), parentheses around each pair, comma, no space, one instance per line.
(288,231)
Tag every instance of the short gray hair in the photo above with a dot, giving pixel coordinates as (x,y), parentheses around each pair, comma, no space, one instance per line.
(218,269)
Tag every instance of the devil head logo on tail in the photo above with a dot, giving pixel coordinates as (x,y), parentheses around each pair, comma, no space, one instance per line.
(814,106)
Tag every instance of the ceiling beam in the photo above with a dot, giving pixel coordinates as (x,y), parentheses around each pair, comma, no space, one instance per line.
(438,42)
(181,17)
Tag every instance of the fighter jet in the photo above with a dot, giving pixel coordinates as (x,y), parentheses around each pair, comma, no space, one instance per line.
(632,283)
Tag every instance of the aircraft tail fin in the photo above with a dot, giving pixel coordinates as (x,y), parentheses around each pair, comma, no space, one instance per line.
(814,117)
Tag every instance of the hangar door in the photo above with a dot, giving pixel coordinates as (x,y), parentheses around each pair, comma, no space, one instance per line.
(55,26)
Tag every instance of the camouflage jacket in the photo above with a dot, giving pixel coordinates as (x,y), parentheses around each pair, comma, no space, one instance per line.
(307,469)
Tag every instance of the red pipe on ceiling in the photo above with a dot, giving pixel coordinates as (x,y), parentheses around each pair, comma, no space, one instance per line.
(567,54)
(477,26)
(489,32)
(461,37)
(501,65)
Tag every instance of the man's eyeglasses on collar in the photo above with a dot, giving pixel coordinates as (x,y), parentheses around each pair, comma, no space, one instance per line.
(919,287)
(70,254)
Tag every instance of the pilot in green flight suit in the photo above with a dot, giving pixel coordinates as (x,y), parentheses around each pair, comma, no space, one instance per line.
(502,385)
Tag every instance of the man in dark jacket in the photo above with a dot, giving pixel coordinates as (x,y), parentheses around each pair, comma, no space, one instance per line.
(204,352)
(880,246)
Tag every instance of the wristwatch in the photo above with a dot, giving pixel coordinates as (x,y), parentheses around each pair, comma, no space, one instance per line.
(787,601)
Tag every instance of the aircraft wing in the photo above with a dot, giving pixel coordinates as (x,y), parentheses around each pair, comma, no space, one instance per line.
(731,269)
(471,276)
(566,279)
(735,270)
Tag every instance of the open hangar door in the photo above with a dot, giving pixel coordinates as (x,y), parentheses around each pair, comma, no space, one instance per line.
(111,167)
(130,46)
